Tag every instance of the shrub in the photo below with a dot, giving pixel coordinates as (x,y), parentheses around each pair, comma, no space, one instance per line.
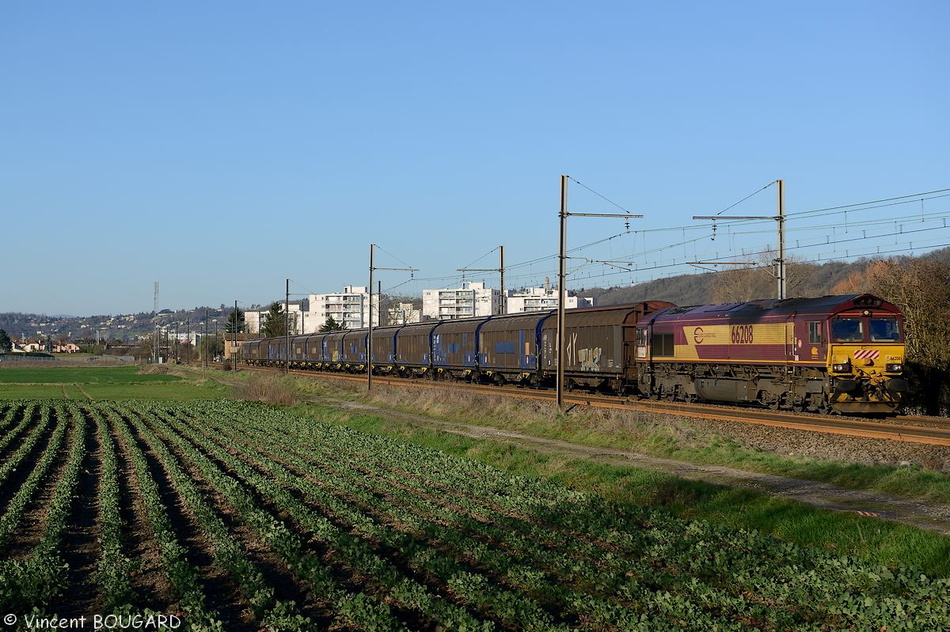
(271,389)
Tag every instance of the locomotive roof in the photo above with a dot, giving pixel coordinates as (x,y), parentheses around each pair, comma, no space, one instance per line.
(762,307)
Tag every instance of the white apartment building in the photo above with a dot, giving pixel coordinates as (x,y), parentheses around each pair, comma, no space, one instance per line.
(349,307)
(299,319)
(252,321)
(472,299)
(536,299)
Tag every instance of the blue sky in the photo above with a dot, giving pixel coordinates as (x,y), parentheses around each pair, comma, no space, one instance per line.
(220,148)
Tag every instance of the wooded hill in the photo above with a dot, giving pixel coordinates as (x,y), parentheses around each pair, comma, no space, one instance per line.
(804,279)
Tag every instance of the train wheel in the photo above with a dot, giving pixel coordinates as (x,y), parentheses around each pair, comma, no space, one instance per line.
(824,406)
(679,394)
(769,401)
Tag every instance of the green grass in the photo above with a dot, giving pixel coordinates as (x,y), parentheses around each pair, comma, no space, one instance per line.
(104,383)
(912,481)
(668,437)
(868,539)
(82,375)
(647,433)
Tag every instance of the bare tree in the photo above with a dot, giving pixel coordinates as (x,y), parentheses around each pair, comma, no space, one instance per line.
(921,288)
(758,280)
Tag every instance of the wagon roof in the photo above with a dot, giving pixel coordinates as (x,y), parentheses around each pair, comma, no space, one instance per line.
(522,320)
(608,314)
(424,327)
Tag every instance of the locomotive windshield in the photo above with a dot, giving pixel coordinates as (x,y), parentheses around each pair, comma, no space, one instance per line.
(880,329)
(847,330)
(885,330)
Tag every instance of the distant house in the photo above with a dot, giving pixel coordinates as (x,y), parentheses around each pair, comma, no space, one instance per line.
(33,347)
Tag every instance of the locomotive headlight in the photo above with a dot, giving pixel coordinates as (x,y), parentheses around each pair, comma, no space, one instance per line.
(895,367)
(842,368)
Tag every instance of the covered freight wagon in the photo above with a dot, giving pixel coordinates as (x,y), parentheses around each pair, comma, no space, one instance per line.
(599,345)
(509,347)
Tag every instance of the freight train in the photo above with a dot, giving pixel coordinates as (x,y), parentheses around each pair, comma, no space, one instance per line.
(829,354)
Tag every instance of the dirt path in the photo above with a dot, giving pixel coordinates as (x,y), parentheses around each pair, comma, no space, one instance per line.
(932,517)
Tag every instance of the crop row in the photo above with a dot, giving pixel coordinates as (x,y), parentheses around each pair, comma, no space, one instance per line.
(38,574)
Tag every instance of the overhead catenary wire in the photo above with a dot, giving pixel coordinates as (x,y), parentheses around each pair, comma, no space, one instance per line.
(601,196)
(641,261)
(656,266)
(642,258)
(751,195)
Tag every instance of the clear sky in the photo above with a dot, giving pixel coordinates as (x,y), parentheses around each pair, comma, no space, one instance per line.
(219,148)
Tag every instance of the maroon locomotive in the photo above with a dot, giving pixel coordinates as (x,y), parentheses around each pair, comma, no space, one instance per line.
(842,353)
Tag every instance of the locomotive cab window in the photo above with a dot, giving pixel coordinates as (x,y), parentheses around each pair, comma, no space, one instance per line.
(885,330)
(814,333)
(847,330)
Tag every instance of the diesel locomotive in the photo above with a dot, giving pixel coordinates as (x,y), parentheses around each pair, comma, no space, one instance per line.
(834,353)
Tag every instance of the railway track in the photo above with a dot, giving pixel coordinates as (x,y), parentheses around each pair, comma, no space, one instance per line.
(910,429)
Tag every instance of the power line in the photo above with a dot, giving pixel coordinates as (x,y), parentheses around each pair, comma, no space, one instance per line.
(646,265)
(746,198)
(609,201)
(663,266)
(654,257)
(838,210)
(912,197)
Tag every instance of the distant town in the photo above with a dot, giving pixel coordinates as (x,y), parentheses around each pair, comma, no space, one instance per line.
(348,309)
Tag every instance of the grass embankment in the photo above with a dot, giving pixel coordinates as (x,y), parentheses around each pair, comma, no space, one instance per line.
(869,539)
